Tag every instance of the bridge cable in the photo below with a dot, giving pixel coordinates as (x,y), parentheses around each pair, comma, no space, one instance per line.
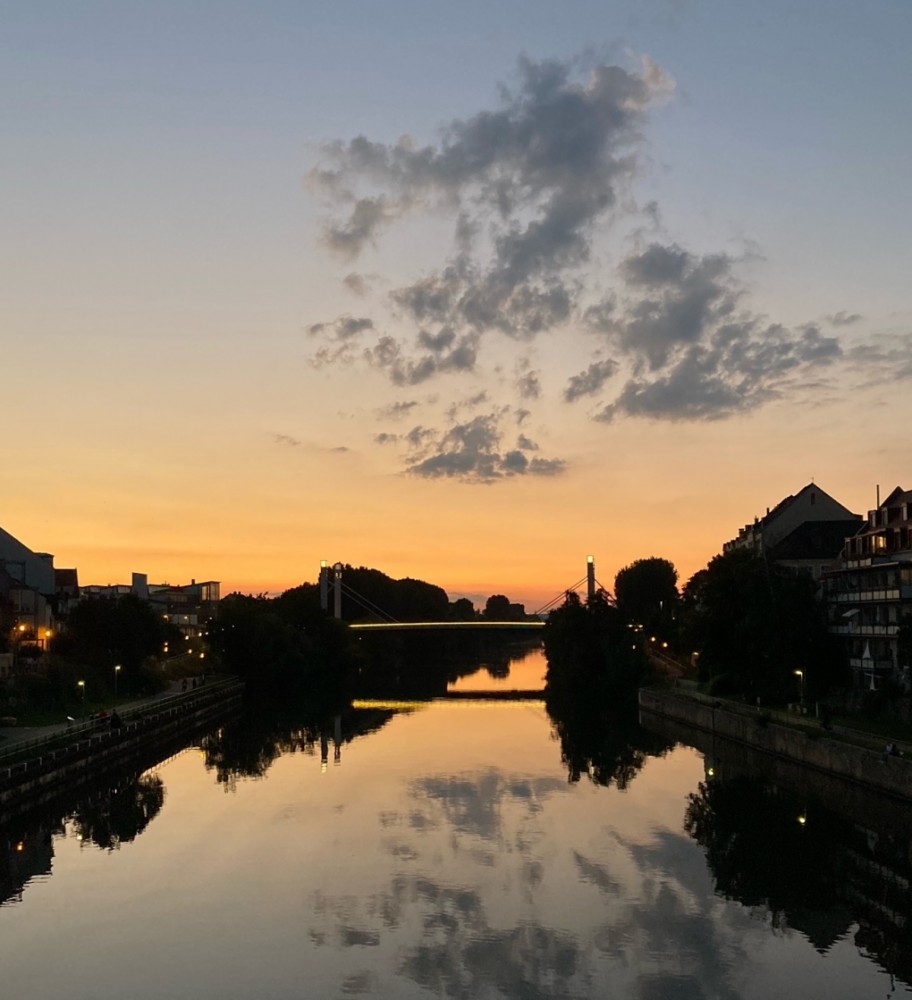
(368,605)
(560,597)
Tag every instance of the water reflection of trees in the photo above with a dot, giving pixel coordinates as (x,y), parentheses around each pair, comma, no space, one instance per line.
(247,747)
(815,871)
(120,813)
(608,745)
(107,816)
(590,693)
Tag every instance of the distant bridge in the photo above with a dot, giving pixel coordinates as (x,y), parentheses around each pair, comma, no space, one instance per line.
(333,574)
(426,626)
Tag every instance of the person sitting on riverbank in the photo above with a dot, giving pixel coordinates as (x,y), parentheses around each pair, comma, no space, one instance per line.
(115,720)
(890,750)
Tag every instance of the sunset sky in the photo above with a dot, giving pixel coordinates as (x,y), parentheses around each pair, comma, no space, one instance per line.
(462,292)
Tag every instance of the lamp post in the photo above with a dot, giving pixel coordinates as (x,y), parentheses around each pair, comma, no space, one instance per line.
(116,672)
(82,687)
(800,675)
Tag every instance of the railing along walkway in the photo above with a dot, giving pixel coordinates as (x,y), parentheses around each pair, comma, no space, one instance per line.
(77,731)
(796,720)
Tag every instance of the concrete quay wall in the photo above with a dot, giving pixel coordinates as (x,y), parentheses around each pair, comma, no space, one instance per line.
(48,774)
(807,747)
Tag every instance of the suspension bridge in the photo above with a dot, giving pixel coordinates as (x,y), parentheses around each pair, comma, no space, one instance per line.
(331,579)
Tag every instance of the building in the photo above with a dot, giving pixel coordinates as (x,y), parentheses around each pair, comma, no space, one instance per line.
(28,589)
(804,532)
(870,591)
(32,569)
(189,606)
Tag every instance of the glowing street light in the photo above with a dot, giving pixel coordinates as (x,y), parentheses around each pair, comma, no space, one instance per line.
(800,675)
(116,672)
(82,687)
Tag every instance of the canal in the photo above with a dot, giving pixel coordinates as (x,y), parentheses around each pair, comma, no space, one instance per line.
(453,848)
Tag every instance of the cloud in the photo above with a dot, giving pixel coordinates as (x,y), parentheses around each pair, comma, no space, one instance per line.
(524,191)
(546,163)
(366,219)
(343,328)
(843,318)
(529,386)
(356,283)
(692,349)
(471,452)
(397,410)
(526,185)
(286,440)
(884,359)
(589,382)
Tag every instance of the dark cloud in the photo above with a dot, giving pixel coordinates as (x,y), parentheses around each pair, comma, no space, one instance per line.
(590,382)
(396,411)
(693,351)
(343,328)
(533,177)
(524,189)
(547,162)
(471,452)
(600,316)
(365,221)
(387,355)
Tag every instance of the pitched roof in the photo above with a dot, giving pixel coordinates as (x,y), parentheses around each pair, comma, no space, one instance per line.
(816,539)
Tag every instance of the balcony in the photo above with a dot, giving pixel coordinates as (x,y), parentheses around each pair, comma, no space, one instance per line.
(857,596)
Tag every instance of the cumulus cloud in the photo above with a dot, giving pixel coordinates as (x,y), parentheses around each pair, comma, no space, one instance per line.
(693,350)
(524,190)
(590,381)
(472,452)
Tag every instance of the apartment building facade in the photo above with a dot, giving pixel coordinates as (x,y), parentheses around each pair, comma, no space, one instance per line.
(869,593)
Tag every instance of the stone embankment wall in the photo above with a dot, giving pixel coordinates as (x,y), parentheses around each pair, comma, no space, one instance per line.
(89,758)
(808,747)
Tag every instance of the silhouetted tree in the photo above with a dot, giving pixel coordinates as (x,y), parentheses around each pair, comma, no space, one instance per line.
(102,632)
(462,610)
(754,624)
(646,593)
(497,608)
(590,652)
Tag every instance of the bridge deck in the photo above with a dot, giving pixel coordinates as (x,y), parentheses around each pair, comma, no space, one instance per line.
(418,626)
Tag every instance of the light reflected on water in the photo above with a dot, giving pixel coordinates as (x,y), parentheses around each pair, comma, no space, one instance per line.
(525,673)
(445,855)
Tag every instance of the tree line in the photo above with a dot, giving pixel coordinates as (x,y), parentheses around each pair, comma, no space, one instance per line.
(744,626)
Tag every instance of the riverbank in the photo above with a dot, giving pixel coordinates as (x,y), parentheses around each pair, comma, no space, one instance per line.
(35,771)
(847,754)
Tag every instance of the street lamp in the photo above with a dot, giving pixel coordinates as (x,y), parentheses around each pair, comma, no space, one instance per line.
(82,687)
(800,675)
(116,672)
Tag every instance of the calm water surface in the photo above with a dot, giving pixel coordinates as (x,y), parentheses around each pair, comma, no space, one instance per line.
(442,854)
